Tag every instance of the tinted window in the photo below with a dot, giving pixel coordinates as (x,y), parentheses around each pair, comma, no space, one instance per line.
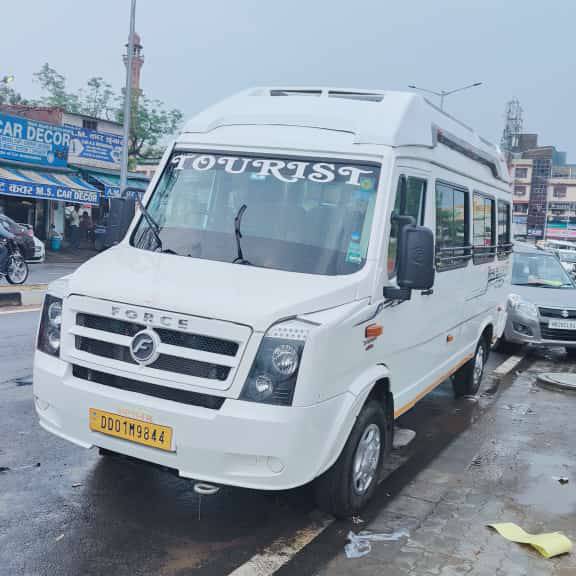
(483,227)
(410,198)
(452,242)
(504,236)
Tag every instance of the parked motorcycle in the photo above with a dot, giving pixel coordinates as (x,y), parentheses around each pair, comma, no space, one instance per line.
(16,269)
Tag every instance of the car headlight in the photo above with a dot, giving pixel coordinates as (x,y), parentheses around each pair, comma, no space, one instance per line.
(50,326)
(523,307)
(273,375)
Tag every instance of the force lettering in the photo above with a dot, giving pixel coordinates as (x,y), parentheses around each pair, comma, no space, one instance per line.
(283,170)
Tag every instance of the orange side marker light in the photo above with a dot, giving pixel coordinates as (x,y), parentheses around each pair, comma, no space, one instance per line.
(373,331)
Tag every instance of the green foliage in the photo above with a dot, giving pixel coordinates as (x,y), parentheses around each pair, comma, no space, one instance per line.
(151,122)
(9,96)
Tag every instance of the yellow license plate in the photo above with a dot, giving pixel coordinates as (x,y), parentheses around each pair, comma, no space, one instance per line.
(130,429)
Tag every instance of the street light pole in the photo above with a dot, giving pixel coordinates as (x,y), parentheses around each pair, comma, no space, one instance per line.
(443,93)
(127,101)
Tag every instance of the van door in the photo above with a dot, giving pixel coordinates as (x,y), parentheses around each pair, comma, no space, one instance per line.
(420,339)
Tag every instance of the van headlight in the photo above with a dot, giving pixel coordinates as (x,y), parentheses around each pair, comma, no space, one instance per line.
(523,307)
(273,375)
(50,326)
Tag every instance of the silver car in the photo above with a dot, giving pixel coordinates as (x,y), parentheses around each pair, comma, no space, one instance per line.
(542,305)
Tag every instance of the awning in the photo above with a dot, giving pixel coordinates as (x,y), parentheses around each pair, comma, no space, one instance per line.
(111,183)
(64,187)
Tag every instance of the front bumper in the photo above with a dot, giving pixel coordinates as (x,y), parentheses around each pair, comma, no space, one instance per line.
(522,330)
(241,444)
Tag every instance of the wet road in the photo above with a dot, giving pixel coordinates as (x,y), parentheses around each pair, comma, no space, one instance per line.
(64,510)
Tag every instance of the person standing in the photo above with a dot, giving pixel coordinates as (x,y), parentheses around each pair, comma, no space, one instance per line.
(75,227)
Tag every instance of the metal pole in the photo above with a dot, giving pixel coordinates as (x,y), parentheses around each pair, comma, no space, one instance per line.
(127,101)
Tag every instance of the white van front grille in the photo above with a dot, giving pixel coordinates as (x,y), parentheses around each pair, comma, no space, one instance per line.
(191,350)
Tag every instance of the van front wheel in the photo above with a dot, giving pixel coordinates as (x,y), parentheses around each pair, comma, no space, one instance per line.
(351,482)
(466,381)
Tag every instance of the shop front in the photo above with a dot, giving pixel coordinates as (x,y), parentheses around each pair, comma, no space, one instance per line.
(40,198)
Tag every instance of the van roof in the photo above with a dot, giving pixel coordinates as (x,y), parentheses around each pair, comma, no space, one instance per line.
(372,116)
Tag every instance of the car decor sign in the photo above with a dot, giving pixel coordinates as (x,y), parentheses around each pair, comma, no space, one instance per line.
(48,192)
(23,140)
(95,149)
(284,170)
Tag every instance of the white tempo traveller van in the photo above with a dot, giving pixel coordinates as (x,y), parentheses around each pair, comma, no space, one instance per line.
(305,266)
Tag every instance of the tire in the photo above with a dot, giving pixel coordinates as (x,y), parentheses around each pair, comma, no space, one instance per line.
(17,269)
(466,381)
(341,492)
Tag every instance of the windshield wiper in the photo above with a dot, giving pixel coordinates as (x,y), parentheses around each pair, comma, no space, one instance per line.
(154,226)
(238,235)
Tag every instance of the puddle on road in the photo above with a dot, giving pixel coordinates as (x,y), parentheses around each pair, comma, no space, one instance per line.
(544,491)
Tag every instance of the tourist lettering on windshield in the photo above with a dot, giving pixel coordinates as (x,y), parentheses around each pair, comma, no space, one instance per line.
(283,170)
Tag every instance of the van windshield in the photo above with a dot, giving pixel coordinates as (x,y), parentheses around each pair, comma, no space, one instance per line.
(301,215)
(539,269)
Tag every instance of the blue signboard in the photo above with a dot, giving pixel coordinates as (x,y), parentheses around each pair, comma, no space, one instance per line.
(23,140)
(48,192)
(96,149)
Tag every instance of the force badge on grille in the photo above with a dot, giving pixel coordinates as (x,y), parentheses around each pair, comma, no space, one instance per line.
(144,347)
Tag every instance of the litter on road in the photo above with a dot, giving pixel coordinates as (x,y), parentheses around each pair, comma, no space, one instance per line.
(549,545)
(360,544)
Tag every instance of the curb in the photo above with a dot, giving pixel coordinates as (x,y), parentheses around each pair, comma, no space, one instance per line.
(506,368)
(27,295)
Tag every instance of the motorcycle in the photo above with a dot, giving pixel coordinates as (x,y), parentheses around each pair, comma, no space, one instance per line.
(16,269)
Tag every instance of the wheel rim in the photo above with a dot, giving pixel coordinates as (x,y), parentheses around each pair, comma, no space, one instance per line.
(366,459)
(17,270)
(478,367)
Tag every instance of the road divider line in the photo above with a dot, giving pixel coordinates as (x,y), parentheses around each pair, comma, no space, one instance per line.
(20,310)
(281,551)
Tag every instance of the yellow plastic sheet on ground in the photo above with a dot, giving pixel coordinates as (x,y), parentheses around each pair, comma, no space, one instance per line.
(549,545)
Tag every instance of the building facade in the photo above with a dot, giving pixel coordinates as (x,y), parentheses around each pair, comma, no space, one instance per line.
(52,161)
(544,191)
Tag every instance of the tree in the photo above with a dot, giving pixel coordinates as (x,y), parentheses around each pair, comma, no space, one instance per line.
(9,96)
(53,85)
(98,99)
(151,122)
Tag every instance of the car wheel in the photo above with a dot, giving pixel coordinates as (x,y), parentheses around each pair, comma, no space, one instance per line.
(466,381)
(351,482)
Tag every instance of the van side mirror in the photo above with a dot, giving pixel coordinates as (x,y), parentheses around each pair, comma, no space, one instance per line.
(415,262)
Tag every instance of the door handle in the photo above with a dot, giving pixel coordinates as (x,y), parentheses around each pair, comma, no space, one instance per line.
(428,292)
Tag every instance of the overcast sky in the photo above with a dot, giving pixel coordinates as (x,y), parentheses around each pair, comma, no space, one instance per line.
(200,51)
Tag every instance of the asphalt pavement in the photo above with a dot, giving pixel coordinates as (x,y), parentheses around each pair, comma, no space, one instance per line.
(65,510)
(47,271)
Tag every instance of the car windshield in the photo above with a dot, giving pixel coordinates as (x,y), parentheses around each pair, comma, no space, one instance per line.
(301,215)
(539,269)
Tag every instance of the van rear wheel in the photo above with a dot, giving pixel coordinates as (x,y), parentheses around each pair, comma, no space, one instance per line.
(351,482)
(466,381)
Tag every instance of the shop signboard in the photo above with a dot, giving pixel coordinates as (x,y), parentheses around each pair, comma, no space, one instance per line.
(94,149)
(561,230)
(32,142)
(48,192)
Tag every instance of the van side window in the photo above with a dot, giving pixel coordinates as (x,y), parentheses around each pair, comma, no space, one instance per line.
(504,242)
(483,228)
(410,201)
(453,248)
